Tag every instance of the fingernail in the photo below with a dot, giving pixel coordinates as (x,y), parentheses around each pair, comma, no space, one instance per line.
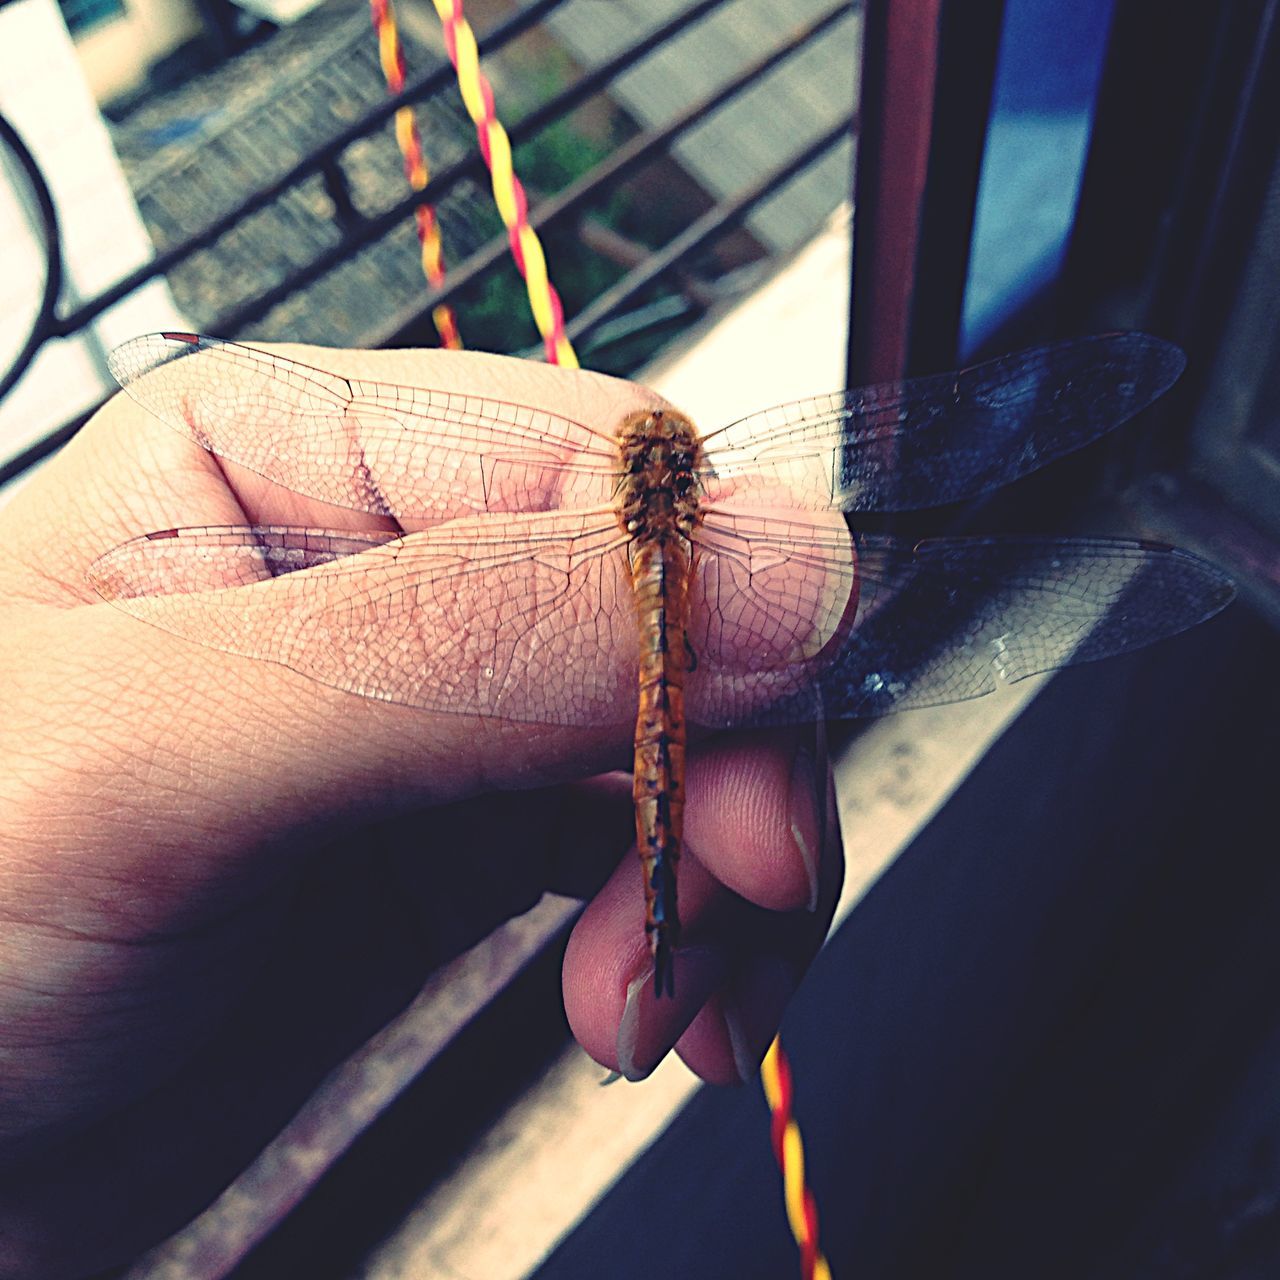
(754,1010)
(651,1024)
(806,828)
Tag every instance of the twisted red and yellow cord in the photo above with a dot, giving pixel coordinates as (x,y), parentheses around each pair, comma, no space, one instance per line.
(508,192)
(788,1150)
(415,167)
(526,249)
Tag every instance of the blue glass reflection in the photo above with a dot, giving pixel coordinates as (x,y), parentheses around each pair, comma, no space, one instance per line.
(1048,70)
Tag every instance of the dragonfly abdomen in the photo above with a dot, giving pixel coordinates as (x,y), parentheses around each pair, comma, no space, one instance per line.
(658,507)
(661,570)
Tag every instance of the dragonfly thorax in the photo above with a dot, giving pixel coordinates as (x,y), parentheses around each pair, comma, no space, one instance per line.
(658,491)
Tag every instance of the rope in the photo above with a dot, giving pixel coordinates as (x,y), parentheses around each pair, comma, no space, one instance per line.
(415,168)
(788,1150)
(508,192)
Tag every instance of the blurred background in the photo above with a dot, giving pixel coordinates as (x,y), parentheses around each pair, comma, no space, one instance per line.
(1045,1039)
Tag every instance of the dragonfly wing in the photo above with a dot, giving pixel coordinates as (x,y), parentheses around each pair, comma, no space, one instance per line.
(929,441)
(950,619)
(772,593)
(410,453)
(177,562)
(932,622)
(533,624)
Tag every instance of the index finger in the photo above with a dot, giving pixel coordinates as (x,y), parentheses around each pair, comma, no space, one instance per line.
(130,471)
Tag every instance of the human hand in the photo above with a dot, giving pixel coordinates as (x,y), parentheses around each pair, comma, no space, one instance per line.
(197,848)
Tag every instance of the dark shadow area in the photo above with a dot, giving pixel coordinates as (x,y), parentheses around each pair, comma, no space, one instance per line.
(1047,1043)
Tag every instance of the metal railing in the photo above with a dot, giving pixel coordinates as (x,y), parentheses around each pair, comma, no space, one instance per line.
(356,231)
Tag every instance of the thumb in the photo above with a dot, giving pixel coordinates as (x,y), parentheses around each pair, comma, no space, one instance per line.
(159,753)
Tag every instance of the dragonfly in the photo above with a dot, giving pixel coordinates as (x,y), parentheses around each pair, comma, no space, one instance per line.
(638,572)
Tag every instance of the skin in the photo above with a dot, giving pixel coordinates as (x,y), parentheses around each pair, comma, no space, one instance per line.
(217,877)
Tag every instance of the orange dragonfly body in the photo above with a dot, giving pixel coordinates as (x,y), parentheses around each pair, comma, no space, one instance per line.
(596,574)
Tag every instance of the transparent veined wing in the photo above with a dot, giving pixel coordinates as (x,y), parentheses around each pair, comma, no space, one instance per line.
(413,454)
(532,624)
(924,623)
(791,618)
(422,456)
(934,440)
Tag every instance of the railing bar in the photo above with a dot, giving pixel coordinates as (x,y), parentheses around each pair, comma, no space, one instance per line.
(51,233)
(599,312)
(587,85)
(373,228)
(622,162)
(43,447)
(699,233)
(629,157)
(428,83)
(469,167)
